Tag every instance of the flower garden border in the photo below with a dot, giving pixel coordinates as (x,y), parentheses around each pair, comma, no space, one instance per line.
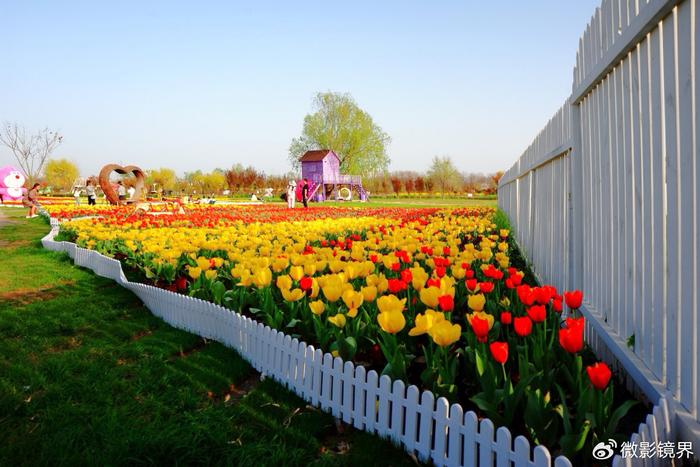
(431,429)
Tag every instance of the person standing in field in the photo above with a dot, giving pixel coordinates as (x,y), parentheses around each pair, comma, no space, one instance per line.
(305,192)
(291,194)
(30,200)
(76,194)
(121,191)
(90,192)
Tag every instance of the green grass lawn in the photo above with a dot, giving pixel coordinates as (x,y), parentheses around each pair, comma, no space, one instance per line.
(89,376)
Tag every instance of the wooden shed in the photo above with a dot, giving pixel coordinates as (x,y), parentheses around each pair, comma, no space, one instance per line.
(322,168)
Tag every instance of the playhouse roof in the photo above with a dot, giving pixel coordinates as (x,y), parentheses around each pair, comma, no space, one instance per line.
(317,155)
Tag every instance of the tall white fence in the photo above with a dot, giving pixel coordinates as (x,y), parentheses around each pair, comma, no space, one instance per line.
(611,183)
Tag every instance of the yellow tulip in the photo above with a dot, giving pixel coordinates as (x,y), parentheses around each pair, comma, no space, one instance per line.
(280,264)
(424,322)
(292,295)
(447,286)
(429,296)
(246,278)
(352,312)
(332,288)
(203,263)
(391,321)
(317,307)
(476,302)
(211,274)
(218,262)
(335,266)
(390,303)
(321,265)
(457,272)
(372,279)
(352,299)
(194,272)
(310,269)
(314,288)
(284,282)
(262,277)
(445,333)
(369,293)
(351,271)
(296,272)
(382,284)
(337,320)
(420,277)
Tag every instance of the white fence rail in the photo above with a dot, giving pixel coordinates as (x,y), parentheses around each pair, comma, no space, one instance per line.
(431,429)
(615,191)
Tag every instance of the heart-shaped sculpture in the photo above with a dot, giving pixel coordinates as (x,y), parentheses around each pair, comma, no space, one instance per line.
(107,187)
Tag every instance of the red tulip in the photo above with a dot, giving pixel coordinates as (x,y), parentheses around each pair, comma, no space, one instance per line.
(471,284)
(516,279)
(440,271)
(523,326)
(537,313)
(395,267)
(542,295)
(446,302)
(573,299)
(506,317)
(480,328)
(305,283)
(556,304)
(525,294)
(486,287)
(406,275)
(571,339)
(181,283)
(396,285)
(433,283)
(469,274)
(575,323)
(599,374)
(499,351)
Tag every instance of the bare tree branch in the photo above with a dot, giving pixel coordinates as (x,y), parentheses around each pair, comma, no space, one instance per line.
(30,151)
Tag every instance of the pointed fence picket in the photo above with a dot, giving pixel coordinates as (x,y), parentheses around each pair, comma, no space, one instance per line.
(431,429)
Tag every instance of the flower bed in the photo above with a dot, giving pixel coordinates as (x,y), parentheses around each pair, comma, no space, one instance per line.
(425,296)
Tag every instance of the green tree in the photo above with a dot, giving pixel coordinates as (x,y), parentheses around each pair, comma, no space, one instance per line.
(443,174)
(60,174)
(161,179)
(340,125)
(214,182)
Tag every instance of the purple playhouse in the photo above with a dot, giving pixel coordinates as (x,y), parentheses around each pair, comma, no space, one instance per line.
(322,169)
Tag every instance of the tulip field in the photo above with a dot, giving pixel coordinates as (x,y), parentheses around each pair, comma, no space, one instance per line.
(434,297)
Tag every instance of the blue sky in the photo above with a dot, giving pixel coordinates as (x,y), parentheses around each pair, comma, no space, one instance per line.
(199,85)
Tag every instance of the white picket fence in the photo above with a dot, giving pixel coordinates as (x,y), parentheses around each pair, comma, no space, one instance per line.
(431,429)
(606,198)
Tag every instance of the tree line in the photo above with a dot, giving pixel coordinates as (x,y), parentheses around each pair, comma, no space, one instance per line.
(442,178)
(336,123)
